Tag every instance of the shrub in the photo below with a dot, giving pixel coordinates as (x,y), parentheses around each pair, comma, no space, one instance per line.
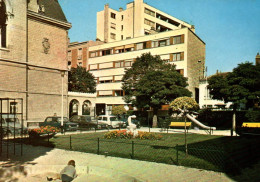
(253,116)
(150,136)
(118,110)
(119,134)
(124,134)
(186,103)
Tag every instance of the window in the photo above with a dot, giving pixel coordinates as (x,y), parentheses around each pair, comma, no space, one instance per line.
(181,71)
(122,27)
(69,63)
(162,43)
(119,93)
(113,15)
(128,63)
(148,22)
(3,18)
(79,53)
(80,64)
(177,40)
(140,46)
(149,12)
(119,64)
(122,17)
(113,26)
(106,52)
(122,37)
(112,36)
(178,56)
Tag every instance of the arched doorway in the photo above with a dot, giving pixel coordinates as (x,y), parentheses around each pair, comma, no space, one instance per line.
(74,107)
(86,107)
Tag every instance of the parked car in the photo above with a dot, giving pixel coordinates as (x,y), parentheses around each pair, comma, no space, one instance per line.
(89,122)
(56,122)
(11,124)
(111,121)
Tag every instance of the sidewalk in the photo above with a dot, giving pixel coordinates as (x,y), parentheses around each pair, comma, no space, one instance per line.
(39,162)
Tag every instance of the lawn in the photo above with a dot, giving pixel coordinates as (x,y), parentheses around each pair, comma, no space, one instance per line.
(218,153)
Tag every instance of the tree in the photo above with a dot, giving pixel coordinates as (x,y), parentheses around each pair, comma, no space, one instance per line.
(151,83)
(81,80)
(239,86)
(118,110)
(186,104)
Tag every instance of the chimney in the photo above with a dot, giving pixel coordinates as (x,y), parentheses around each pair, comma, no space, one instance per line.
(121,9)
(257,59)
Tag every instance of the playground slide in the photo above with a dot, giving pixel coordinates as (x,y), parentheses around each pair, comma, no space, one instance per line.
(199,123)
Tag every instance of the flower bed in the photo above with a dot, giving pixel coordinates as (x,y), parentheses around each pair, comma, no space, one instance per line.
(43,131)
(124,134)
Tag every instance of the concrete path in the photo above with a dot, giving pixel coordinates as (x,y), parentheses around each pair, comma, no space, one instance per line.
(39,162)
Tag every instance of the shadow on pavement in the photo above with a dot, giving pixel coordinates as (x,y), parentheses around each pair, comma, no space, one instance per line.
(14,157)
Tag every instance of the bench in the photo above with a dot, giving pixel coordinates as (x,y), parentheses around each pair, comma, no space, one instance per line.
(180,124)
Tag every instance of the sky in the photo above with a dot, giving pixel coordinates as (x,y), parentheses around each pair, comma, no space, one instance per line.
(230,28)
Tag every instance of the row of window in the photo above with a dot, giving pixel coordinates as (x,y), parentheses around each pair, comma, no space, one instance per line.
(139,46)
(159,16)
(111,93)
(118,78)
(114,64)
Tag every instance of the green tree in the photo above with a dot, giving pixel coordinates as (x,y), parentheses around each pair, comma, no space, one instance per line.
(118,110)
(239,86)
(151,83)
(184,103)
(81,80)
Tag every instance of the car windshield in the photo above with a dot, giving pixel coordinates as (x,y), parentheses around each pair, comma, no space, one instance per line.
(113,118)
(65,119)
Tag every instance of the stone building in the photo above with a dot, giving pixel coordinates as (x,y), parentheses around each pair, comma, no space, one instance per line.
(33,56)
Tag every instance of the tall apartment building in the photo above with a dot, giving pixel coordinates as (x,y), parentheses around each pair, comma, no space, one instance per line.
(33,56)
(127,34)
(136,20)
(107,62)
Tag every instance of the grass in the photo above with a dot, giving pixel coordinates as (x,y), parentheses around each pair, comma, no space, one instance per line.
(218,153)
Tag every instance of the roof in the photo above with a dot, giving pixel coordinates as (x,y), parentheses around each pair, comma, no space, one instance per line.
(53,9)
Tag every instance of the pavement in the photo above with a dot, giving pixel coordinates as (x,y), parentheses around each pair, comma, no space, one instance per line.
(38,162)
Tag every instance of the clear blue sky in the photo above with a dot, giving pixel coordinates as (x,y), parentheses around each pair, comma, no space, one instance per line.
(230,28)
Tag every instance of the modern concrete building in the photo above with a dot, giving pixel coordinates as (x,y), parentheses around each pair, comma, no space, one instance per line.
(108,62)
(78,53)
(124,35)
(138,19)
(33,56)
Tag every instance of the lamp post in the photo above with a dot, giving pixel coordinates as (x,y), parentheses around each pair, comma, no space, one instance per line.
(62,88)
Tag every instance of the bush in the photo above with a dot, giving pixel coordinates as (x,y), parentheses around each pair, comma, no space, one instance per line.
(221,119)
(37,132)
(124,134)
(150,136)
(118,110)
(253,116)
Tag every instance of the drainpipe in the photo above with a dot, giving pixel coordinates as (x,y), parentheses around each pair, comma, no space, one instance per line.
(27,68)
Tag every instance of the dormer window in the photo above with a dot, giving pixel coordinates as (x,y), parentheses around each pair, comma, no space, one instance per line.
(3,19)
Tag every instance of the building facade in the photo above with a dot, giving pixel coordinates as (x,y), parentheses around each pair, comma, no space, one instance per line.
(108,62)
(33,56)
(138,19)
(78,53)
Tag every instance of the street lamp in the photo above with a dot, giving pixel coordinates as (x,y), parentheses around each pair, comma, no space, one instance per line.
(62,86)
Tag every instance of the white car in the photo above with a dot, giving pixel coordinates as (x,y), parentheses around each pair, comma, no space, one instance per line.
(111,121)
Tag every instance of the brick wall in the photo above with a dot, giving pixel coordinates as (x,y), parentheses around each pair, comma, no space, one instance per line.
(195,61)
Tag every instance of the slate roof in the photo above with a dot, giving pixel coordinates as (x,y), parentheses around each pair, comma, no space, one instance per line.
(53,10)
